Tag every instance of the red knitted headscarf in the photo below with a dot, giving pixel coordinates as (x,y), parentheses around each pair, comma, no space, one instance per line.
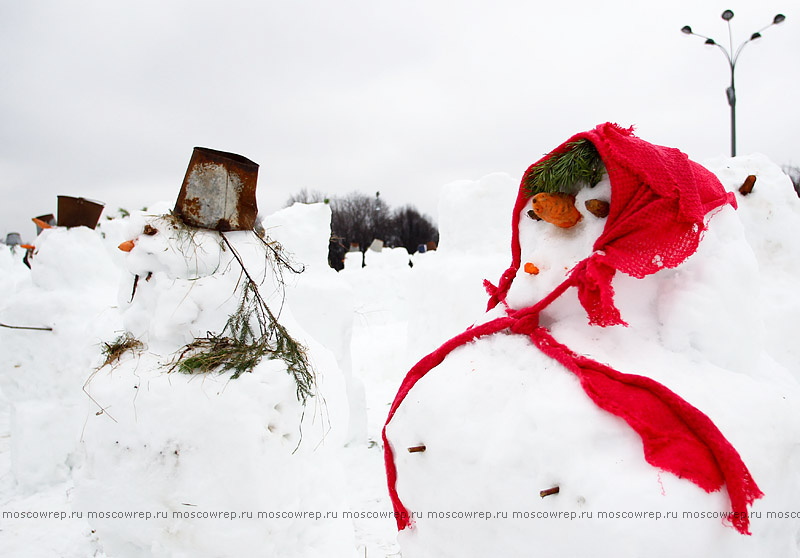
(659,203)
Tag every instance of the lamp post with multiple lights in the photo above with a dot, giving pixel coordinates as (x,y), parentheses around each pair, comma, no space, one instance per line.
(732,57)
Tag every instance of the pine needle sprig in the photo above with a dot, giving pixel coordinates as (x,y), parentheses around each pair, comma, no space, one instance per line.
(568,171)
(113,351)
(220,352)
(294,355)
(240,346)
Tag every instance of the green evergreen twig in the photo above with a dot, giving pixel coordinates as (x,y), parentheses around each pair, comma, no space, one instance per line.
(568,171)
(240,347)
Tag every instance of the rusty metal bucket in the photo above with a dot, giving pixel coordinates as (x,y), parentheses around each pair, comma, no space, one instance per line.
(219,191)
(78,212)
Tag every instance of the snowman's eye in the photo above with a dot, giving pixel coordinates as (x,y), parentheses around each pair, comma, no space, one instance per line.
(598,208)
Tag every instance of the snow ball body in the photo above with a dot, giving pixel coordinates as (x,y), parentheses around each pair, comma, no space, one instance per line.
(69,289)
(221,461)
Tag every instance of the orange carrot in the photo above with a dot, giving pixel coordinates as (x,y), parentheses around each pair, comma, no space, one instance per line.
(41,224)
(127,246)
(532,269)
(558,209)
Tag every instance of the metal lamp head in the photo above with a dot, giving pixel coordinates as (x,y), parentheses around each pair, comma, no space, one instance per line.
(688,30)
(727,15)
(778,19)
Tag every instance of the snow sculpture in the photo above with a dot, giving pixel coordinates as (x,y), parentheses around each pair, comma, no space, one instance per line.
(492,378)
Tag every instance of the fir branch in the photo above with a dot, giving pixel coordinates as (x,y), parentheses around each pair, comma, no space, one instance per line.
(113,351)
(218,352)
(568,171)
(239,348)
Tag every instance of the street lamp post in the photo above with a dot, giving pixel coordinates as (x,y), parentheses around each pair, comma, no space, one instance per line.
(730,92)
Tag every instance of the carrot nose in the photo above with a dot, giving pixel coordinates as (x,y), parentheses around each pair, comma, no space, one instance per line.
(41,224)
(558,209)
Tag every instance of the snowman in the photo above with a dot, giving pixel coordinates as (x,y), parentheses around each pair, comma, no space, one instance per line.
(656,427)
(212,461)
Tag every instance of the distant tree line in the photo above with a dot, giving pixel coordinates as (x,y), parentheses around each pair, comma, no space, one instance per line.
(358,219)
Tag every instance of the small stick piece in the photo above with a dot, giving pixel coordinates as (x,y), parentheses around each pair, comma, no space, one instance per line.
(549,492)
(747,187)
(133,292)
(27,327)
(417,449)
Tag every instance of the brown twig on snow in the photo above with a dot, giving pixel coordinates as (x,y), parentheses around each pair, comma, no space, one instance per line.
(27,327)
(549,492)
(417,449)
(747,187)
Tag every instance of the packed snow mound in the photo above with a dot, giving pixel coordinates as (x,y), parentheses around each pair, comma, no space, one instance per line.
(69,292)
(501,421)
(182,449)
(322,301)
(770,217)
(474,240)
(193,445)
(473,214)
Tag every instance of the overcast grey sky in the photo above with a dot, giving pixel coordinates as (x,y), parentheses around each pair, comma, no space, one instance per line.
(106,98)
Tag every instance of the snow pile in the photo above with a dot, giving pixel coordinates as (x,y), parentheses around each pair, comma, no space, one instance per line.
(321,300)
(192,446)
(502,422)
(176,449)
(475,239)
(70,289)
(771,220)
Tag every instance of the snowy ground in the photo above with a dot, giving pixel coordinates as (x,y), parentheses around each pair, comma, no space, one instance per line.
(365,328)
(376,321)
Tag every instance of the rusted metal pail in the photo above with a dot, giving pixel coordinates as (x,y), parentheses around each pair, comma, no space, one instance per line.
(219,191)
(50,219)
(78,212)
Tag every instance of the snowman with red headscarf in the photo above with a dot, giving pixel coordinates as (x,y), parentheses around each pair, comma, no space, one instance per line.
(656,427)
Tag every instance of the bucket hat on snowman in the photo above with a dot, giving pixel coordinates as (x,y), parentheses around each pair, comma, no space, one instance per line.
(660,202)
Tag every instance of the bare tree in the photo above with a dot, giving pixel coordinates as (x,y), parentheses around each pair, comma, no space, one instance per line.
(410,229)
(307,196)
(360,219)
(357,219)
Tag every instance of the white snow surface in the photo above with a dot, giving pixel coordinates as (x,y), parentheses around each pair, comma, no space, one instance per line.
(101,447)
